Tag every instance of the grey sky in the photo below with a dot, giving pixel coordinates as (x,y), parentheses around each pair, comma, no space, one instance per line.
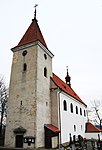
(73,32)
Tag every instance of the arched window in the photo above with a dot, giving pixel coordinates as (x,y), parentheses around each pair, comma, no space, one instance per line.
(45,56)
(81,127)
(45,72)
(24,67)
(84,113)
(71,108)
(80,111)
(65,105)
(74,128)
(76,109)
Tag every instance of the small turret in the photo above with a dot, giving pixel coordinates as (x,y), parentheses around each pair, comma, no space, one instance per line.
(68,78)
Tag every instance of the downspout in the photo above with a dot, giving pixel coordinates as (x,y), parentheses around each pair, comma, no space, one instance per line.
(59,115)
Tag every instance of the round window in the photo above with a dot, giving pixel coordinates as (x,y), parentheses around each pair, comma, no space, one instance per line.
(24,53)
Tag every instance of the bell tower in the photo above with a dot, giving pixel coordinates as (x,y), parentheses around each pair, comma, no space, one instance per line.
(68,78)
(29,106)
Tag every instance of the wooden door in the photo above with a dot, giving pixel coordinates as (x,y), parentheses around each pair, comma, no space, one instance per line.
(19,141)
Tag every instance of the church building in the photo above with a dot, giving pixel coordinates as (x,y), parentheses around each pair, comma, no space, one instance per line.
(43,110)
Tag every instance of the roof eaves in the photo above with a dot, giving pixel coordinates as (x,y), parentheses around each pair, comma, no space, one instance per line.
(28,43)
(90,128)
(68,93)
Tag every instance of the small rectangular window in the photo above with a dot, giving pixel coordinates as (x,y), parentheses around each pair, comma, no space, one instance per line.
(24,67)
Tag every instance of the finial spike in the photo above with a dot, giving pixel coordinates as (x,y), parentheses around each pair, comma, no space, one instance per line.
(67,68)
(35,10)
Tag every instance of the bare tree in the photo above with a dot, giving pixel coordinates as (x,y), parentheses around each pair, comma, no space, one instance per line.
(95,113)
(3,103)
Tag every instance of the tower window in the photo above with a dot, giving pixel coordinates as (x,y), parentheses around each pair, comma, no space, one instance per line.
(46,103)
(45,72)
(71,108)
(21,103)
(65,105)
(24,67)
(76,110)
(24,53)
(45,56)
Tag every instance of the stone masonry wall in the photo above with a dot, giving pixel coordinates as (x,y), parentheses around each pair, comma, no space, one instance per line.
(29,104)
(22,95)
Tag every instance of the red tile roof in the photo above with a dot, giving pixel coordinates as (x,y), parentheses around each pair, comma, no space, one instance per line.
(66,88)
(53,128)
(91,128)
(32,34)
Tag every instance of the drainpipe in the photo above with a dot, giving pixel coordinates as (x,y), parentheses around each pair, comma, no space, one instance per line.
(59,115)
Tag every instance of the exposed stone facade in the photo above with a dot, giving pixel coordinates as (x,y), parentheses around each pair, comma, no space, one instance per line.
(29,103)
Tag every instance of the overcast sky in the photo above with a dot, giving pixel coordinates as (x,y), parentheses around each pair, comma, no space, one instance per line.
(72,30)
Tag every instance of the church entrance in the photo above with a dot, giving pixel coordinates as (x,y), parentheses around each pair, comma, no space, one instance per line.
(19,141)
(19,133)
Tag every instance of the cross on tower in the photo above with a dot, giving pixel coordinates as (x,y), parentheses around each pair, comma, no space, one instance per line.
(35,10)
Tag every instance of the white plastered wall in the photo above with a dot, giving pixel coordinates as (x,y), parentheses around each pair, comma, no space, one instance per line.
(68,119)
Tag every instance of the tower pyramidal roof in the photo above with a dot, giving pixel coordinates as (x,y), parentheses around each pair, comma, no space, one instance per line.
(32,34)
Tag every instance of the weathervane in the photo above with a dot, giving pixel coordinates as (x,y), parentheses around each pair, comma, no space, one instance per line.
(35,10)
